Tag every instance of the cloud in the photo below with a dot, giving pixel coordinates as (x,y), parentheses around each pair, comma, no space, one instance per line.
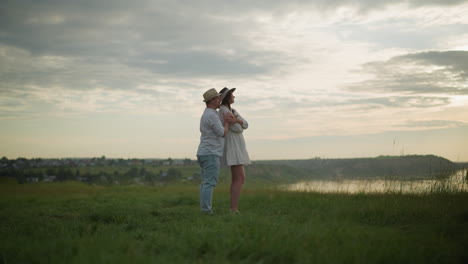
(100,46)
(167,33)
(164,39)
(200,64)
(432,124)
(433,72)
(454,61)
(400,102)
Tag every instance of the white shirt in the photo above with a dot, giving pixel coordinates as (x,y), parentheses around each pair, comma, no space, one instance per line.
(212,134)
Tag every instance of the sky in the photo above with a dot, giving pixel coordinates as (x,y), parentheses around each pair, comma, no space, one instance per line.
(328,79)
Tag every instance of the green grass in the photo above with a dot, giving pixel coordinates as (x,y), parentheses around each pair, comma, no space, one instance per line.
(77,223)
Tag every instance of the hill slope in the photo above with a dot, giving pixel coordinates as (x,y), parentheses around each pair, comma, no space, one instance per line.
(382,167)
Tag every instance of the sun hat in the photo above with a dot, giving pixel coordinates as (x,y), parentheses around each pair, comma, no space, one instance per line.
(225,91)
(210,94)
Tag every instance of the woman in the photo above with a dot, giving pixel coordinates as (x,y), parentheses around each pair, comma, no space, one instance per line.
(235,153)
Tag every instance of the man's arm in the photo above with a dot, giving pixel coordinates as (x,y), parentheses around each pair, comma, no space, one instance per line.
(219,129)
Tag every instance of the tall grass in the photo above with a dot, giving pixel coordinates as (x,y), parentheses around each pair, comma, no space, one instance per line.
(77,223)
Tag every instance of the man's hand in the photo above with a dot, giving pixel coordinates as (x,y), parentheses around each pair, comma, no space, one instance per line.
(229,118)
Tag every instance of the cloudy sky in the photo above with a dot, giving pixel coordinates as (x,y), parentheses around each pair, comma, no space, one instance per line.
(330,79)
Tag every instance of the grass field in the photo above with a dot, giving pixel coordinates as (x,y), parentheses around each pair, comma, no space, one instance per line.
(76,223)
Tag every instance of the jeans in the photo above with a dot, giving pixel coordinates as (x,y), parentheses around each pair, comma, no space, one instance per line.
(209,165)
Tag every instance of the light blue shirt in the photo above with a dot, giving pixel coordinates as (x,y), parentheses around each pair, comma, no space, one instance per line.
(212,134)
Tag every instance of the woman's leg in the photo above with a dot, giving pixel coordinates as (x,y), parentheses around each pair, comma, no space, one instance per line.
(237,179)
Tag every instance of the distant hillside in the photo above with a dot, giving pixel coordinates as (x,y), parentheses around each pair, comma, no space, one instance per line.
(154,172)
(382,167)
(463,165)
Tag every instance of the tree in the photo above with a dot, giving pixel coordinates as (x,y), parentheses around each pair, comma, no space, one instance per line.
(133,172)
(22,163)
(64,174)
(173,174)
(101,161)
(51,172)
(5,162)
(150,177)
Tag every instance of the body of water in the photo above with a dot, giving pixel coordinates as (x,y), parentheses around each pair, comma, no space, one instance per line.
(455,183)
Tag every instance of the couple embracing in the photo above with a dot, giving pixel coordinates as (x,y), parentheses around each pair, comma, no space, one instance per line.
(221,143)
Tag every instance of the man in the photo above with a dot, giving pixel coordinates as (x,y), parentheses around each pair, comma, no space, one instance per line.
(211,147)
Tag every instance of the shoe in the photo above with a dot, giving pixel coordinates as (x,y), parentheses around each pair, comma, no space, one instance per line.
(235,211)
(207,212)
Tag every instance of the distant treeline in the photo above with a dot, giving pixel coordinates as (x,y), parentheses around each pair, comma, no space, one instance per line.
(140,175)
(415,167)
(412,167)
(24,163)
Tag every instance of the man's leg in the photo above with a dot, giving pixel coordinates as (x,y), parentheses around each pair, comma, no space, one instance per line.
(209,172)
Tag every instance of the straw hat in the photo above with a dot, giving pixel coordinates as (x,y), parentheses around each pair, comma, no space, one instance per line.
(210,94)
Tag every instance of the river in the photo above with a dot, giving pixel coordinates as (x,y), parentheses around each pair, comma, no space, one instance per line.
(455,183)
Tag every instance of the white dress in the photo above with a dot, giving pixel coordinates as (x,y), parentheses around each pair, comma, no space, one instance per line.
(235,152)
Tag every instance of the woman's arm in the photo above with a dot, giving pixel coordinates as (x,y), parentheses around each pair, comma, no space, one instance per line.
(240,120)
